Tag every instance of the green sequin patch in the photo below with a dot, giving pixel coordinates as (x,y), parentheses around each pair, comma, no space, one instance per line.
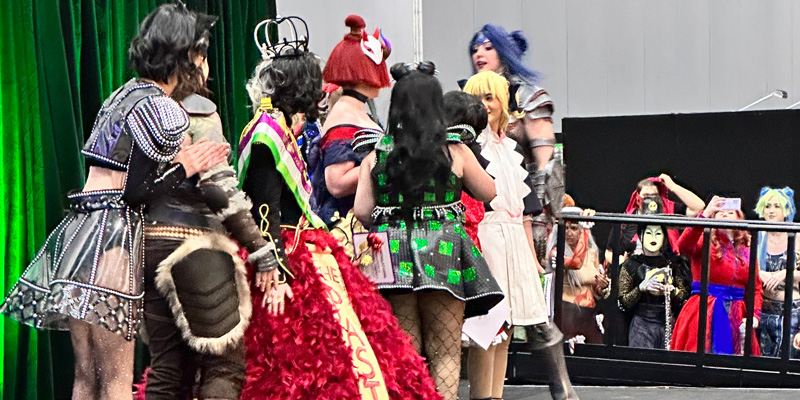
(475,252)
(403,225)
(427,213)
(383,198)
(460,230)
(435,225)
(419,243)
(452,179)
(449,197)
(382,156)
(454,277)
(450,216)
(430,271)
(394,245)
(399,198)
(382,179)
(387,140)
(469,274)
(406,268)
(432,183)
(430,196)
(446,248)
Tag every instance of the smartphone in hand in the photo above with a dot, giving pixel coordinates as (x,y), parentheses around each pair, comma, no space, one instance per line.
(731,203)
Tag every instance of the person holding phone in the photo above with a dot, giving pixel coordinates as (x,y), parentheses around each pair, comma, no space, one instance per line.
(728,274)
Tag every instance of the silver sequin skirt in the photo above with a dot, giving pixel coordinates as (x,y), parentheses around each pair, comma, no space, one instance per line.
(89,268)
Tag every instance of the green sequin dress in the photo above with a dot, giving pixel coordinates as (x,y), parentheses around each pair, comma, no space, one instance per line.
(430,249)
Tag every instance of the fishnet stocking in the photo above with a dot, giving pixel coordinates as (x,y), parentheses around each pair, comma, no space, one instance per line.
(86,384)
(404,307)
(442,317)
(103,362)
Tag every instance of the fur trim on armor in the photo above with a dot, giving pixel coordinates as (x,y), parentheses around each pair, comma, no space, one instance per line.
(166,286)
(236,203)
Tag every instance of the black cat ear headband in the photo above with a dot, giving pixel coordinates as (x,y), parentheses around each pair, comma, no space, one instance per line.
(400,70)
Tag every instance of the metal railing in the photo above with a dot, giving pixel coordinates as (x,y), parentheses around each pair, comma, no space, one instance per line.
(700,359)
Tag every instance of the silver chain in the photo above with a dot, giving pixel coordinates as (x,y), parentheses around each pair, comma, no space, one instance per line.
(668,309)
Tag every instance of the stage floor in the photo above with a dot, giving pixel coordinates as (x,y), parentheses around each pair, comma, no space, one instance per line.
(648,393)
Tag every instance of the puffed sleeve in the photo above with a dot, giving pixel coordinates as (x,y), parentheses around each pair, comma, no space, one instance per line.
(158,126)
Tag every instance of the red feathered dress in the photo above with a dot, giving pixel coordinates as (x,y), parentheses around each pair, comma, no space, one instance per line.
(727,271)
(338,338)
(302,354)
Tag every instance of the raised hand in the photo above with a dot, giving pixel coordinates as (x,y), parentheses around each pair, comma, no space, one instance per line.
(201,156)
(713,206)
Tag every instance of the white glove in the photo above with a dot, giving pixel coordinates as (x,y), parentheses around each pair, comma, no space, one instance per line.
(651,284)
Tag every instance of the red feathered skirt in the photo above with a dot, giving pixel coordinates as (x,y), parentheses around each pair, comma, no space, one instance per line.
(337,338)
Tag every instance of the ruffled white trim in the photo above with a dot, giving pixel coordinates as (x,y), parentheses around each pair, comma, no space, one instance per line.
(505,165)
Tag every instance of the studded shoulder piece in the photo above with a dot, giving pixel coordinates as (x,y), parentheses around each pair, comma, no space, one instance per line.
(158,124)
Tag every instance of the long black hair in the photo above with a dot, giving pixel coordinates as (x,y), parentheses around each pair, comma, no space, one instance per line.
(416,122)
(167,39)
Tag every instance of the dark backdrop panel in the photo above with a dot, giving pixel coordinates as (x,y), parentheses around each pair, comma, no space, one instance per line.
(735,154)
(732,154)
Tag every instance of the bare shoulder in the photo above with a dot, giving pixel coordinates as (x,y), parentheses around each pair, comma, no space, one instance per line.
(345,114)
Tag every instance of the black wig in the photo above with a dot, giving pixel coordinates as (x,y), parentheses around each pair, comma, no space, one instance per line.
(416,122)
(464,108)
(292,81)
(167,39)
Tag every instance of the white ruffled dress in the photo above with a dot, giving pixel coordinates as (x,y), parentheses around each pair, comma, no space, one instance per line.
(502,233)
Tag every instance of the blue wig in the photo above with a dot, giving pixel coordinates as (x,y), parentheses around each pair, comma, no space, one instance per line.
(510,48)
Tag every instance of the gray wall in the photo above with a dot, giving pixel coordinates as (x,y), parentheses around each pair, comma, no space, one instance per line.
(601,57)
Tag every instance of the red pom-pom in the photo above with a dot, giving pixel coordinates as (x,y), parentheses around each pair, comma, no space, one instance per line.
(355,22)
(348,65)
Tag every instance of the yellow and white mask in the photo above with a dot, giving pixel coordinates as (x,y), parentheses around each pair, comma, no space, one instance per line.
(653,238)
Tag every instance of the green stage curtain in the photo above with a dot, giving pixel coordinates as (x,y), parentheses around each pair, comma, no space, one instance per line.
(60,60)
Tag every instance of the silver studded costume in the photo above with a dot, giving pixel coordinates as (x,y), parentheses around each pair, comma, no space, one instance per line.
(90,267)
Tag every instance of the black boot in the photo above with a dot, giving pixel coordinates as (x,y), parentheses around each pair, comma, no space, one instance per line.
(560,385)
(547,341)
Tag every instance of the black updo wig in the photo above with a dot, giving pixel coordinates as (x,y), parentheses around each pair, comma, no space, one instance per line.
(168,39)
(464,108)
(293,81)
